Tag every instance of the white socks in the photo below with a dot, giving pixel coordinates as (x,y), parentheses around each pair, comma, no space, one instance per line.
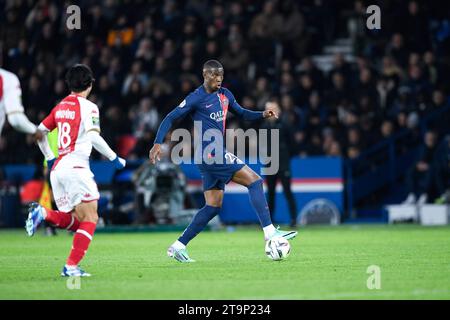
(178,245)
(268,231)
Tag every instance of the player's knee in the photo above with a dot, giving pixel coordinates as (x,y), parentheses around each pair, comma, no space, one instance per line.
(90,217)
(215,202)
(87,214)
(214,198)
(255,182)
(254,177)
(257,178)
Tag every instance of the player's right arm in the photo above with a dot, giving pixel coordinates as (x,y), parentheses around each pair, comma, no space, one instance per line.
(47,125)
(184,108)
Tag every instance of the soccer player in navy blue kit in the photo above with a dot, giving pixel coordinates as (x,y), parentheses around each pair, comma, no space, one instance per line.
(209,104)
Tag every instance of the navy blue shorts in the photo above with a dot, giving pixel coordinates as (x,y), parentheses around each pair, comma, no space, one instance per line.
(216,176)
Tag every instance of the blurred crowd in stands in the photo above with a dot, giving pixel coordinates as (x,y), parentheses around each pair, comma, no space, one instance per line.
(147,56)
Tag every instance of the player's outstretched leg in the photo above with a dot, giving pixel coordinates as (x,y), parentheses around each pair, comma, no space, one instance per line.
(248,178)
(37,213)
(178,249)
(259,203)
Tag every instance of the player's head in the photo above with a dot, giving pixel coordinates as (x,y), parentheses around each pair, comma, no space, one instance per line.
(79,78)
(213,74)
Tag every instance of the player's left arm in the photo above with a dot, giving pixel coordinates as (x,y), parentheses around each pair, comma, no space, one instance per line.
(91,122)
(14,108)
(246,114)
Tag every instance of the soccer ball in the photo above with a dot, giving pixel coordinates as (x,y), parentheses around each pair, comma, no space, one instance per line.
(277,248)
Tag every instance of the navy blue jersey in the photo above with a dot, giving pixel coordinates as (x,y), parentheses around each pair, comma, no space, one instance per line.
(209,108)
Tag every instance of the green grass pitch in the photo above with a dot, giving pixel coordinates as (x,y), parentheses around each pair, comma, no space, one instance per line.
(325,263)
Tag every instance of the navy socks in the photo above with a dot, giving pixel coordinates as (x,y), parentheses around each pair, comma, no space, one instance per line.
(201,219)
(259,202)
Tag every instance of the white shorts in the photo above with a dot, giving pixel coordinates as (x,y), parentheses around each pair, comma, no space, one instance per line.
(72,186)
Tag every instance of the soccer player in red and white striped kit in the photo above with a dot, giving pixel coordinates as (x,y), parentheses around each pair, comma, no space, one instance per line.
(74,189)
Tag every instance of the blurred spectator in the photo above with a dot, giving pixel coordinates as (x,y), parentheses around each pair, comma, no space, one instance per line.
(387,129)
(136,74)
(442,171)
(341,66)
(262,92)
(414,26)
(235,61)
(334,149)
(433,69)
(285,131)
(338,90)
(265,28)
(419,178)
(391,70)
(292,31)
(144,118)
(152,51)
(308,67)
(416,82)
(314,113)
(398,50)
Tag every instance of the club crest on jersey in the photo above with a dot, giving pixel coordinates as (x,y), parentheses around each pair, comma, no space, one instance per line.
(95,121)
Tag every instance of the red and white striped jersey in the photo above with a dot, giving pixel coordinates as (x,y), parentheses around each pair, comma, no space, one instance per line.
(74,117)
(10,95)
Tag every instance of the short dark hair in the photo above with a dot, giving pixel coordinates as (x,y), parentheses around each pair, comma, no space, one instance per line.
(212,64)
(79,77)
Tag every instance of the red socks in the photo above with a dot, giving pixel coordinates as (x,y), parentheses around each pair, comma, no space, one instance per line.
(62,220)
(82,237)
(81,241)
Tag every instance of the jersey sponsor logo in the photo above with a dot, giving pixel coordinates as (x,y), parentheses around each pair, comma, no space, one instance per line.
(65,114)
(217,116)
(182,104)
(208,105)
